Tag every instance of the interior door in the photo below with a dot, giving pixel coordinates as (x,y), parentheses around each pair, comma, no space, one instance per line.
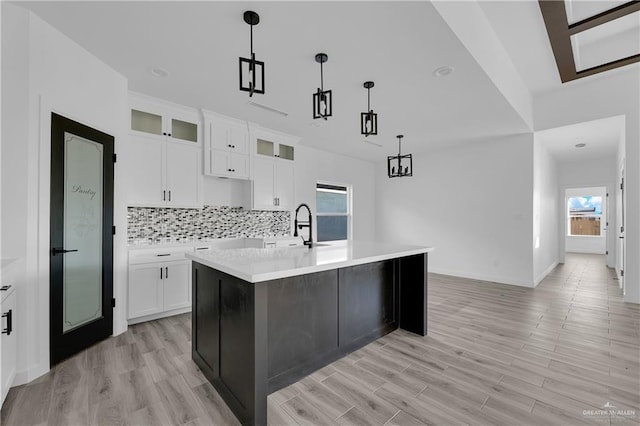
(81,237)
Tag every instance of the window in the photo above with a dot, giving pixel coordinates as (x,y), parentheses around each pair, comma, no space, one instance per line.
(333,212)
(585,214)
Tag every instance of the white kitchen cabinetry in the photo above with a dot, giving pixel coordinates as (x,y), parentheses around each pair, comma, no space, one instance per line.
(161,157)
(164,120)
(159,283)
(273,171)
(7,338)
(226,147)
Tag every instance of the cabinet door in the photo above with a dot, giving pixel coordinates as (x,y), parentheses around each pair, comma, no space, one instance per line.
(143,166)
(145,289)
(263,193)
(218,135)
(286,152)
(239,165)
(8,371)
(239,139)
(285,189)
(220,163)
(177,284)
(182,175)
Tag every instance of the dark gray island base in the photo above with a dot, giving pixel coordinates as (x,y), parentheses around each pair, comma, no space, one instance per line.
(251,339)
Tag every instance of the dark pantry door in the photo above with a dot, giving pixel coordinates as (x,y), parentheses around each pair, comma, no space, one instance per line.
(81,252)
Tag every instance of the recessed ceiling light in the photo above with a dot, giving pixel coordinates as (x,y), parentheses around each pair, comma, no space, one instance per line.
(159,72)
(581,145)
(444,71)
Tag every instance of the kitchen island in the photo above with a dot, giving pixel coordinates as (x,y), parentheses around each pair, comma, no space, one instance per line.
(264,318)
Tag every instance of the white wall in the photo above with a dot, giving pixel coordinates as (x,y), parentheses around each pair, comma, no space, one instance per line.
(546,229)
(610,94)
(313,165)
(472,203)
(62,77)
(586,243)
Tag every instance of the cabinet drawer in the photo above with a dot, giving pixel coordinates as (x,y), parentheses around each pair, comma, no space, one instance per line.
(157,255)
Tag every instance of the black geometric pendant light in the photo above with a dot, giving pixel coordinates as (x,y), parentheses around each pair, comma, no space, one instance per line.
(251,71)
(322,99)
(369,119)
(399,165)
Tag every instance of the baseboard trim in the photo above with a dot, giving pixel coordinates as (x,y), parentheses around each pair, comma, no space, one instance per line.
(28,375)
(159,315)
(546,272)
(481,277)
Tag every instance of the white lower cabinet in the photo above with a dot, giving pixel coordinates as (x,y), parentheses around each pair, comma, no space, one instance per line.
(145,290)
(7,340)
(176,285)
(159,283)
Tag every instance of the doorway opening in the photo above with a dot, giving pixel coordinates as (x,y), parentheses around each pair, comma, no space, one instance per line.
(586,212)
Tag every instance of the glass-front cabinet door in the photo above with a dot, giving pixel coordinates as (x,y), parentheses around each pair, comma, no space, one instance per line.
(285,152)
(265,147)
(274,149)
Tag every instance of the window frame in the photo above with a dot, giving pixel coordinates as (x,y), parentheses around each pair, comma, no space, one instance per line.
(594,215)
(349,214)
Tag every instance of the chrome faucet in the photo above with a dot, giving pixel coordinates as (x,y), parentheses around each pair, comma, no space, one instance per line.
(308,224)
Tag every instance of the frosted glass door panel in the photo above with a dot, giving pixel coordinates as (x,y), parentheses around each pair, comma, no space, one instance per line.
(83,199)
(184,130)
(285,152)
(265,147)
(146,122)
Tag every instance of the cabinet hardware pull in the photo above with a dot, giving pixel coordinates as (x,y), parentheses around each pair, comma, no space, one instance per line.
(228,170)
(164,195)
(202,248)
(169,134)
(164,133)
(8,316)
(229,145)
(160,272)
(166,272)
(5,287)
(163,254)
(169,195)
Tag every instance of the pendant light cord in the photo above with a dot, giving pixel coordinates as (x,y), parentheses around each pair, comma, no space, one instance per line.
(321,78)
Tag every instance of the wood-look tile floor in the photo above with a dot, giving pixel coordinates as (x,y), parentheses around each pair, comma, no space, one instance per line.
(564,353)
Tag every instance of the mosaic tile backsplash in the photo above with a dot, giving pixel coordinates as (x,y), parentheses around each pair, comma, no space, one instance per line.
(160,225)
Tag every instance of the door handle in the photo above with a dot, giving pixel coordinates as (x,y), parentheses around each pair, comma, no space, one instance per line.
(8,316)
(57,250)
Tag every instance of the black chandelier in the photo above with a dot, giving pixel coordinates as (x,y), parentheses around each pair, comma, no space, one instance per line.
(399,165)
(322,99)
(251,71)
(369,119)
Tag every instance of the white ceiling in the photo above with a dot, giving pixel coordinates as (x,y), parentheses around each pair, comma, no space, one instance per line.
(600,136)
(396,44)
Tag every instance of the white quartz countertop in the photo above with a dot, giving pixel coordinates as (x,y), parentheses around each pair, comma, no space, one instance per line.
(263,264)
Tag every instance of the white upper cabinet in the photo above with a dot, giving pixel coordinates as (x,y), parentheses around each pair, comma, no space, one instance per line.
(273,170)
(161,158)
(226,147)
(164,120)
